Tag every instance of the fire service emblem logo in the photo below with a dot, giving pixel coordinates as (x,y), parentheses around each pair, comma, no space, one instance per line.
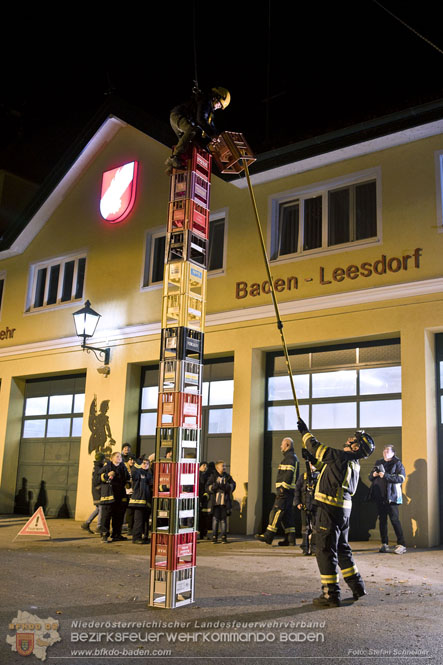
(33,635)
(118,192)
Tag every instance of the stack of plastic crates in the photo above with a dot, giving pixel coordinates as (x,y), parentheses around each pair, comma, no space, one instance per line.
(176,467)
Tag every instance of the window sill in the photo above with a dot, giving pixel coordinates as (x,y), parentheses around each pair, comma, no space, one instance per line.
(50,308)
(322,251)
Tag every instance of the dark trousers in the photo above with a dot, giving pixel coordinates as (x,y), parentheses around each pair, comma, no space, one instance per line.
(129,519)
(332,550)
(113,512)
(391,509)
(204,521)
(282,512)
(219,515)
(184,131)
(140,528)
(308,519)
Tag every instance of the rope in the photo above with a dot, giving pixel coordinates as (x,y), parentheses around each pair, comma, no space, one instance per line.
(428,41)
(271,282)
(194,39)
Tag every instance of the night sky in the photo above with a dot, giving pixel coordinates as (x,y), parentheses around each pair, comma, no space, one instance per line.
(324,66)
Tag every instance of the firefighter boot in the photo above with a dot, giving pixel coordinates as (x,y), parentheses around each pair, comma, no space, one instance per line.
(357,586)
(330,596)
(264,538)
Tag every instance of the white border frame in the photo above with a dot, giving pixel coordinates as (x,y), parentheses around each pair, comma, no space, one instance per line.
(318,188)
(47,263)
(222,213)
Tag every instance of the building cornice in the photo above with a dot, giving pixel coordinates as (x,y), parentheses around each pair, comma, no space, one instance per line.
(337,300)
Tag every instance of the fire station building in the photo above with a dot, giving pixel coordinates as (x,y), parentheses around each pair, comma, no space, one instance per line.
(353,223)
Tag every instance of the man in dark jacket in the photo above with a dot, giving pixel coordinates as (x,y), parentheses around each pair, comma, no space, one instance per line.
(194,119)
(282,510)
(335,487)
(204,512)
(387,477)
(220,486)
(114,479)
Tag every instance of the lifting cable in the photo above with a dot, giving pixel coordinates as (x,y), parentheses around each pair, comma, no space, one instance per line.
(271,282)
(194,40)
(425,39)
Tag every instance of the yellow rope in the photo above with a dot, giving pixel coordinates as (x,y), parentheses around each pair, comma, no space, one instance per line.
(271,282)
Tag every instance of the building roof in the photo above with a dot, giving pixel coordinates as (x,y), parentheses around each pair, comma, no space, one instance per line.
(395,129)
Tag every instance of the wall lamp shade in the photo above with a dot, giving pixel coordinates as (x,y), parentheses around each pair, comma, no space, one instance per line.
(86,321)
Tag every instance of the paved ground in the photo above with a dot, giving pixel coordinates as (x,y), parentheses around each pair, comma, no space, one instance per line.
(253,605)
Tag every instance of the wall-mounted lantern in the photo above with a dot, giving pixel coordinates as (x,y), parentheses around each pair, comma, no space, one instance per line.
(86,320)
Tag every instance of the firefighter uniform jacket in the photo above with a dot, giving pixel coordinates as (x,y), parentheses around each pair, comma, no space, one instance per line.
(302,495)
(113,489)
(141,481)
(287,473)
(338,478)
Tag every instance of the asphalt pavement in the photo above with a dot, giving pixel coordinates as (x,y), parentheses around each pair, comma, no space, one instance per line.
(72,600)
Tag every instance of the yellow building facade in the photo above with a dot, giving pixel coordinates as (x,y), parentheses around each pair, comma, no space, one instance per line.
(355,238)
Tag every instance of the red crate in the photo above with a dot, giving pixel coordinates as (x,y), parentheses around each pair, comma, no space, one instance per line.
(173,551)
(179,410)
(199,160)
(176,480)
(190,185)
(187,214)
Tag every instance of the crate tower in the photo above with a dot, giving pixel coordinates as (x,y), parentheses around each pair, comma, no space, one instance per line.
(176,465)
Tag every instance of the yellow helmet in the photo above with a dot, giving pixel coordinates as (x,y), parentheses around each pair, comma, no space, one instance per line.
(223,95)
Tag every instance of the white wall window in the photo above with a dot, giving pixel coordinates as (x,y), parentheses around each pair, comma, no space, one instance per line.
(333,397)
(56,282)
(326,216)
(154,257)
(53,416)
(156,244)
(218,229)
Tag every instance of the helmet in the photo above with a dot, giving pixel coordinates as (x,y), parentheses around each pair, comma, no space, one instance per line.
(223,96)
(366,442)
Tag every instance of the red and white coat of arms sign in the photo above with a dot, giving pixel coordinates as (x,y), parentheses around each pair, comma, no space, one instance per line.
(118,192)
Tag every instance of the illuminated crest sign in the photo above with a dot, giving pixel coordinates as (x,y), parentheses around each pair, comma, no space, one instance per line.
(118,192)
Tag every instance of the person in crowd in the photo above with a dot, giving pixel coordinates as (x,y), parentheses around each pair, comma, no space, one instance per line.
(220,487)
(114,480)
(99,462)
(387,477)
(204,512)
(304,500)
(282,511)
(140,500)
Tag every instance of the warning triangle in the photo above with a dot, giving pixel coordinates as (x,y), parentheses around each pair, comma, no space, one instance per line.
(36,525)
